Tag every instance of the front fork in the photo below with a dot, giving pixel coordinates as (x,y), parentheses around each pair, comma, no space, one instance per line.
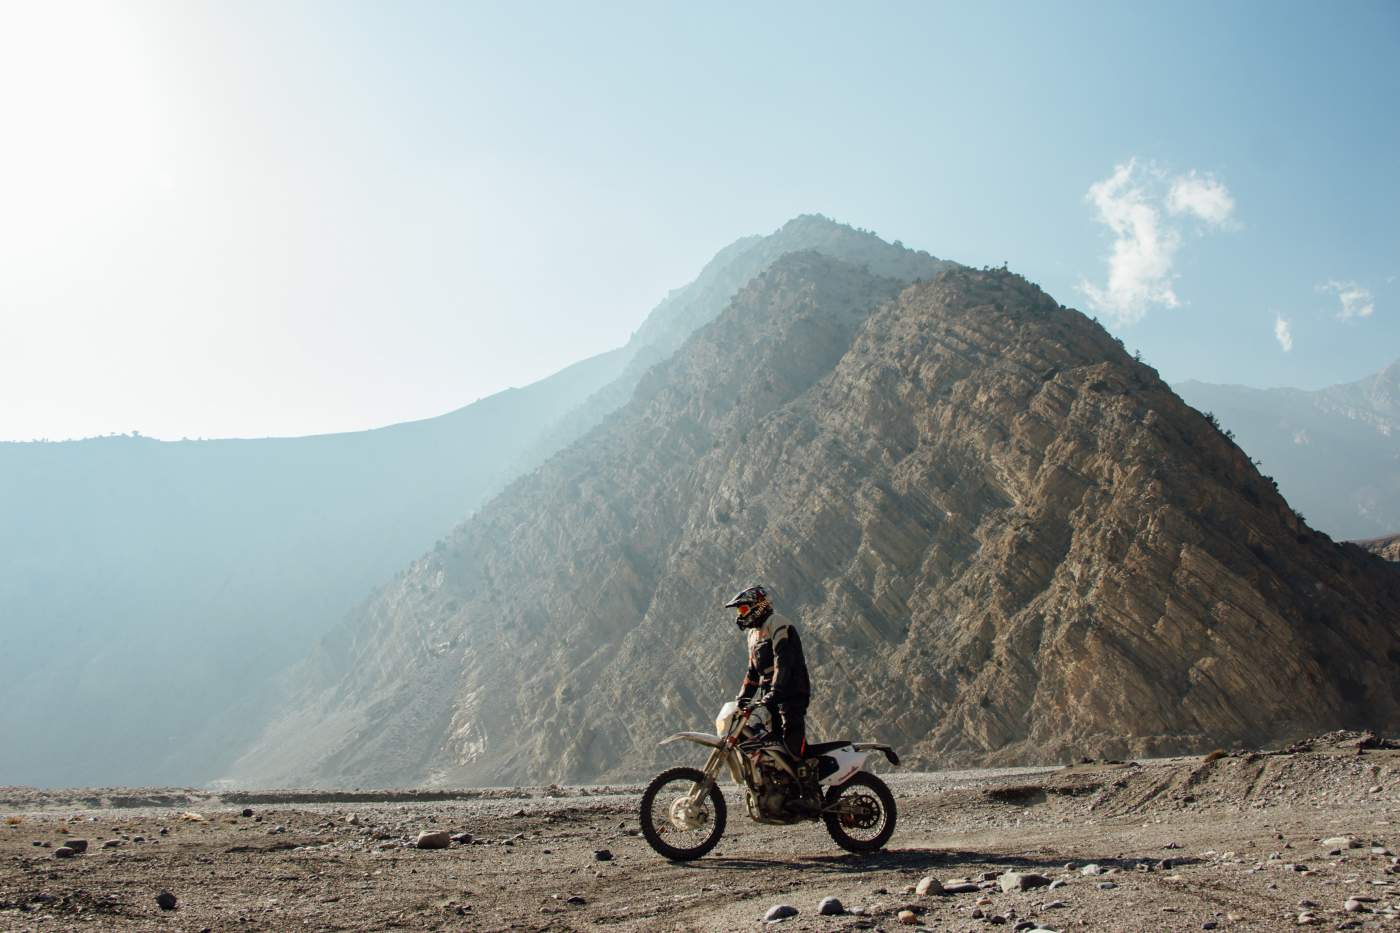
(711,769)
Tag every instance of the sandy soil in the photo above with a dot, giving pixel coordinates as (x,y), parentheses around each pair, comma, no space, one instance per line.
(1244,835)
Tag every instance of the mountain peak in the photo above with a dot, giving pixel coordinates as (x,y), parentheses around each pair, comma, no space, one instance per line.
(685,310)
(813,222)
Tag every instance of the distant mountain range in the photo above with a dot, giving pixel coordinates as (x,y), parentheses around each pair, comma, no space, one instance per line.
(150,592)
(1004,540)
(1335,452)
(1387,547)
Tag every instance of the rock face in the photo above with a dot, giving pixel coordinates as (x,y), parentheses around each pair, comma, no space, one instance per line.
(1335,451)
(1004,541)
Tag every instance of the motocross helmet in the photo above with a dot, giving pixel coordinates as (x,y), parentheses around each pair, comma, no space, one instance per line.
(751,606)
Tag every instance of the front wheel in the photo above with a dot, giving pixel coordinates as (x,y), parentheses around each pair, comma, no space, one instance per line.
(860,813)
(675,826)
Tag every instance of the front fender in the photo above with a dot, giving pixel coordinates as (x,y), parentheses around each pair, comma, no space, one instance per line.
(699,738)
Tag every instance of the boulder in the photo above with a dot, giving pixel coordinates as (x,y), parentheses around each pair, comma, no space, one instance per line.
(1022,881)
(928,885)
(779,912)
(433,840)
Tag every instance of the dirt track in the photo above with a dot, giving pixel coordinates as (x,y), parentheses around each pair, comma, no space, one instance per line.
(1244,834)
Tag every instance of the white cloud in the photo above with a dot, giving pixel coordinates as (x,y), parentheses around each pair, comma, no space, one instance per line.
(1130,203)
(1202,196)
(1300,437)
(1356,301)
(1139,268)
(1283,333)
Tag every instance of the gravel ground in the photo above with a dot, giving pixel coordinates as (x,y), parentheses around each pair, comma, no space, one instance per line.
(1251,841)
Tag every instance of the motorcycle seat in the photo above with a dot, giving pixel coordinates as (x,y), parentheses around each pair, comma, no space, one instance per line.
(822,748)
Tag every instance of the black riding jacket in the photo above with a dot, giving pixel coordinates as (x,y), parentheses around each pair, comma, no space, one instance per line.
(777,670)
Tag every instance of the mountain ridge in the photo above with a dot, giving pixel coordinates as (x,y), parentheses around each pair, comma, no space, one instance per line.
(961,483)
(684,311)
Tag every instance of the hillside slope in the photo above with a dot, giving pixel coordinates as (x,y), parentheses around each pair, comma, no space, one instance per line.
(1005,541)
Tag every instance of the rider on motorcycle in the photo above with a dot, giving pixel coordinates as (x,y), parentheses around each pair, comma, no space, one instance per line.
(777,675)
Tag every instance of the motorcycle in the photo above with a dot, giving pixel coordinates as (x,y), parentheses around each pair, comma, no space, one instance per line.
(684,812)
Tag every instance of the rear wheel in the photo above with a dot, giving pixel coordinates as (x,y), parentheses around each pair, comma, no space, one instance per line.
(860,813)
(673,825)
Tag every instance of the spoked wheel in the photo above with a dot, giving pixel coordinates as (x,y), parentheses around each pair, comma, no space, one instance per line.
(674,824)
(860,813)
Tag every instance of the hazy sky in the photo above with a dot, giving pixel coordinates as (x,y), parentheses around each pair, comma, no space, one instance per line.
(283,218)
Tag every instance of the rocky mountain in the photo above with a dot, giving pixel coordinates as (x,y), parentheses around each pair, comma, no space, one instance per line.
(166,584)
(1335,452)
(1004,539)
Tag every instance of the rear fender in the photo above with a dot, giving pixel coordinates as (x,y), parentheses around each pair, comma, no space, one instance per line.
(888,752)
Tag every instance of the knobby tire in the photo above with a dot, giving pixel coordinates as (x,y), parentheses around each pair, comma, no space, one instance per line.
(717,807)
(833,820)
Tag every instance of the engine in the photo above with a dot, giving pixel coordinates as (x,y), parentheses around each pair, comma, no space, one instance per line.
(768,802)
(779,798)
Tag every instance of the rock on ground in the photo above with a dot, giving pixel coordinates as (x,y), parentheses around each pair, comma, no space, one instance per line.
(928,885)
(779,912)
(433,840)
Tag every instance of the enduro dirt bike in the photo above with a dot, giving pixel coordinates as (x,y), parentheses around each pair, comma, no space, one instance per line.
(683,809)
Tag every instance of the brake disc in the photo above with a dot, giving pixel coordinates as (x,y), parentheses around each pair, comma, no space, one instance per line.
(860,813)
(686,816)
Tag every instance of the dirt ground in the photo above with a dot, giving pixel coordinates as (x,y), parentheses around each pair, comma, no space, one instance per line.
(1182,844)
